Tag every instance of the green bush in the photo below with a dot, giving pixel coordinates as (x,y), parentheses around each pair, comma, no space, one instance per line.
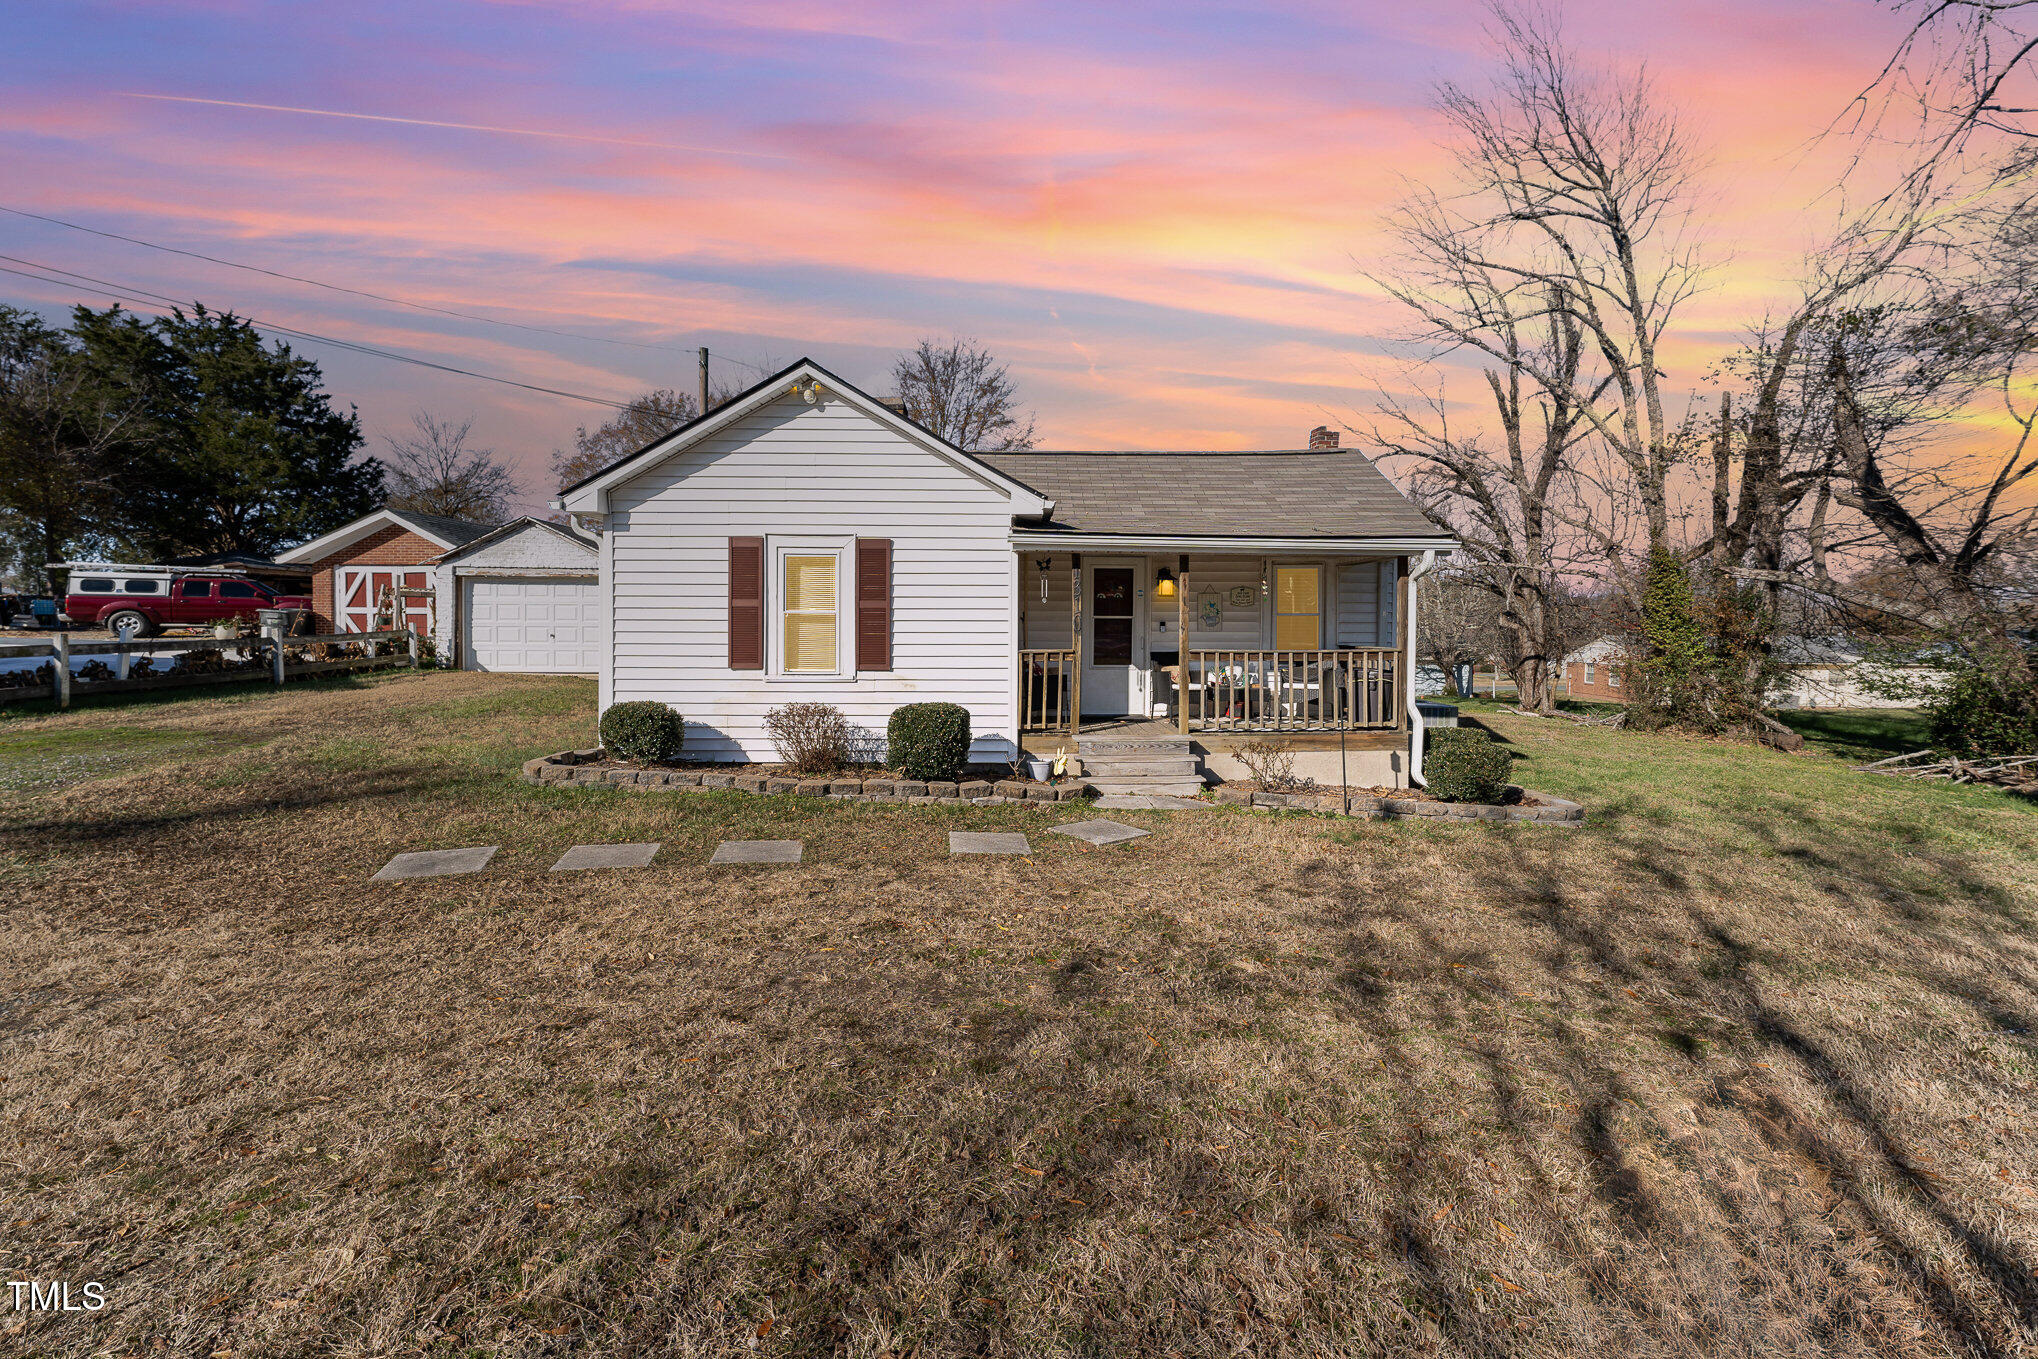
(1463,764)
(929,740)
(1972,718)
(644,731)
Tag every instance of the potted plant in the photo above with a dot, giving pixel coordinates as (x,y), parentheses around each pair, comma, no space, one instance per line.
(226,628)
(1039,768)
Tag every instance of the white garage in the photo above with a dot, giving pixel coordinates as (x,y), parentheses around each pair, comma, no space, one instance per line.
(527,600)
(547,627)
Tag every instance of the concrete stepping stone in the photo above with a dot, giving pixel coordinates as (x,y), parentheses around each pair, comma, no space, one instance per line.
(757,852)
(1149,802)
(605,856)
(435,863)
(1101,832)
(987,842)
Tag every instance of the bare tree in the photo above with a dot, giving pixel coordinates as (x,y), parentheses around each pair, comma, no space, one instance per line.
(957,389)
(433,471)
(649,418)
(1918,310)
(1964,67)
(1459,624)
(1504,503)
(1575,199)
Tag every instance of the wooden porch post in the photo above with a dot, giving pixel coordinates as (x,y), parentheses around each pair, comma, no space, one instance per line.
(1182,645)
(1405,691)
(1076,642)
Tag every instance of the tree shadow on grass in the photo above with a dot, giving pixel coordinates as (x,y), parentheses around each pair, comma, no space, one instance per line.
(1747,1179)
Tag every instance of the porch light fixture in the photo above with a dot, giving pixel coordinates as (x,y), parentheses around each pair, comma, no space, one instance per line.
(1164,584)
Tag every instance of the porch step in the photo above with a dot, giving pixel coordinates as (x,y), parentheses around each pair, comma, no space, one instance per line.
(1115,766)
(1113,787)
(1132,744)
(1149,764)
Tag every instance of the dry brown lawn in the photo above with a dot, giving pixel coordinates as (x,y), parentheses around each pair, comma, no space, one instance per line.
(1746,1067)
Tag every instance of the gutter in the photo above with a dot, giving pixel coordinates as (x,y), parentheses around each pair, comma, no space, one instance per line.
(1415,741)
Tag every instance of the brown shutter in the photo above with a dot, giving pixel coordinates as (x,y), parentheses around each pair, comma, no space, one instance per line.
(873,603)
(746,603)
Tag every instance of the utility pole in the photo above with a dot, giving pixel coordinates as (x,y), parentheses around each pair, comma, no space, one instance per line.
(704,380)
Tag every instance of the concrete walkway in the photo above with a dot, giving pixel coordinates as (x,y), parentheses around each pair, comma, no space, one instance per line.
(436,863)
(757,852)
(987,842)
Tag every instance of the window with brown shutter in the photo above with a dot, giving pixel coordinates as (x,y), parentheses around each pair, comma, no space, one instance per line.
(873,603)
(746,603)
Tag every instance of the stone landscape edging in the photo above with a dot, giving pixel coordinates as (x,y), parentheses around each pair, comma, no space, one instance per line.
(577,768)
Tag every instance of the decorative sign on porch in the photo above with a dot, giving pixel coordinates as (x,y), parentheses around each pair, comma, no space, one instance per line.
(1241,596)
(1209,611)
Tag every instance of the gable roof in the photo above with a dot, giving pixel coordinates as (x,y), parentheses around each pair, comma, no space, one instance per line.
(590,493)
(573,535)
(448,533)
(1276,493)
(1608,647)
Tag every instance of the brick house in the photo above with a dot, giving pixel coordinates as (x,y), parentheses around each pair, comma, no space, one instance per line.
(357,570)
(1598,671)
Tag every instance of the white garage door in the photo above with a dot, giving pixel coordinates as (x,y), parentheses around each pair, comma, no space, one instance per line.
(548,627)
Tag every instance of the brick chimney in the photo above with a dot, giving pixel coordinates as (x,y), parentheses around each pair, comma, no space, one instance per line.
(1323,436)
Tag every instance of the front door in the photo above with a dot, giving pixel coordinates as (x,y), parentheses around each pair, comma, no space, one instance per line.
(1111,667)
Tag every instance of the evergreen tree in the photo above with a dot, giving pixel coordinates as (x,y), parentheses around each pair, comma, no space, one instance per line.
(236,446)
(61,445)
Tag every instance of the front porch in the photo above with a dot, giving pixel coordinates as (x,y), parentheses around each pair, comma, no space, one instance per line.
(1299,644)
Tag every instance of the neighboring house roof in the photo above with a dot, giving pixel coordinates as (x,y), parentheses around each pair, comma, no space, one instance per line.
(434,528)
(1600,649)
(497,534)
(1838,651)
(1278,493)
(590,493)
(1814,651)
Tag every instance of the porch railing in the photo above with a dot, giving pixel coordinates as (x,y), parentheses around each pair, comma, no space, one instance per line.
(1050,690)
(1342,690)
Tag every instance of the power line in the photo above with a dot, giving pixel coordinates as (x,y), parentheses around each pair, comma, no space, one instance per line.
(362,292)
(144,297)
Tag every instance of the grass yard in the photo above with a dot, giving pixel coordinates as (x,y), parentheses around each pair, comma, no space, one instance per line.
(1744,1067)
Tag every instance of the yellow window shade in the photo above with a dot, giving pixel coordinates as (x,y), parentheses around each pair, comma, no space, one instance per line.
(810,608)
(1298,609)
(1295,589)
(810,642)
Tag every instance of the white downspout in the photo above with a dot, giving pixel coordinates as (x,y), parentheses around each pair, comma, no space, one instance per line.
(1421,569)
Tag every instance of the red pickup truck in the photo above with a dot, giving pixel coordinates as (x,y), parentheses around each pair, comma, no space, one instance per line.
(145,602)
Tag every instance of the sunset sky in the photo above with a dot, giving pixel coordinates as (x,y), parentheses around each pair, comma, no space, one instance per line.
(1156,214)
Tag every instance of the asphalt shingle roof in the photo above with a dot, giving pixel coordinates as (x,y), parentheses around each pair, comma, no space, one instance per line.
(458,532)
(1312,493)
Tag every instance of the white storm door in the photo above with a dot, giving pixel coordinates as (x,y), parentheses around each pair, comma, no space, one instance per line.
(1112,658)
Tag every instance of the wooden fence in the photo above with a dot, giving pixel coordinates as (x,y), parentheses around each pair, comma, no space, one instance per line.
(129,666)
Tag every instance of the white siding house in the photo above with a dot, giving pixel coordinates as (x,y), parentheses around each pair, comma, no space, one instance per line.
(806,543)
(811,480)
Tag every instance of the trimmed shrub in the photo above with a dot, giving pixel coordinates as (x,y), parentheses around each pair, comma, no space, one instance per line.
(929,740)
(812,738)
(643,730)
(1463,764)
